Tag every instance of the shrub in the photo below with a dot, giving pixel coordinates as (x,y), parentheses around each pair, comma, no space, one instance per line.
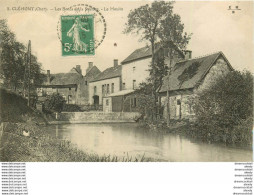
(225,110)
(71,108)
(54,103)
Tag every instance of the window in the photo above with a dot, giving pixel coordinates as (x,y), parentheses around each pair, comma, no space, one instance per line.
(107,102)
(102,90)
(85,82)
(134,84)
(112,88)
(123,86)
(95,90)
(133,68)
(108,88)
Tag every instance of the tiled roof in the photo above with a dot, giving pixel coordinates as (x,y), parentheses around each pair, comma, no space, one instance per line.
(65,78)
(111,72)
(146,51)
(94,71)
(138,54)
(187,74)
(72,77)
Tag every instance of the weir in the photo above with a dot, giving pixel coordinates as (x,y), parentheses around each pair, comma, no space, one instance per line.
(96,117)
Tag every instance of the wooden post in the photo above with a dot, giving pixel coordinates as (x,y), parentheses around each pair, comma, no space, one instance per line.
(168,99)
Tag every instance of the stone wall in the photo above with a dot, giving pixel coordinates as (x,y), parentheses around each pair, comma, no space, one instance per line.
(219,69)
(180,106)
(97,117)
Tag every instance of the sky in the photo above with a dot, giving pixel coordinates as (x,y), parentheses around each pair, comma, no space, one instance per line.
(213,26)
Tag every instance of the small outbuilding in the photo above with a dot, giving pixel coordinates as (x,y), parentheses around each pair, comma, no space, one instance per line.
(187,78)
(121,101)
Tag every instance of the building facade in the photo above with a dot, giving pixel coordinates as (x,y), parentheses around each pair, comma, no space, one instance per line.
(91,72)
(104,84)
(187,78)
(135,68)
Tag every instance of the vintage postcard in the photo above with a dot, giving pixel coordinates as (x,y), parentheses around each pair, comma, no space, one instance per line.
(126,81)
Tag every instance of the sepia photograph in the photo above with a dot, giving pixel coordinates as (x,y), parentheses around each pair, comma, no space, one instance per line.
(126,81)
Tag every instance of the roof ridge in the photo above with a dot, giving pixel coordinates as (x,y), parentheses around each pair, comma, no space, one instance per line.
(201,56)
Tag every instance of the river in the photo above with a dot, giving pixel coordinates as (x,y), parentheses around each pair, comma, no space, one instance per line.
(120,139)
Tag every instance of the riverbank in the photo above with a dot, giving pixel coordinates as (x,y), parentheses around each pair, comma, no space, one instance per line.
(40,147)
(18,120)
(191,129)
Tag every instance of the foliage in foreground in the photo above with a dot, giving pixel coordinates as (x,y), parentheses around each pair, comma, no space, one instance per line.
(225,110)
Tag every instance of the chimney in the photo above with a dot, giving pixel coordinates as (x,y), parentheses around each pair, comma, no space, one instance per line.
(187,54)
(115,62)
(78,69)
(90,65)
(48,76)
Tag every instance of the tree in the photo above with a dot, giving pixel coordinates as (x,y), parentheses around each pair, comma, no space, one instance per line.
(12,57)
(36,76)
(161,28)
(13,64)
(226,108)
(54,103)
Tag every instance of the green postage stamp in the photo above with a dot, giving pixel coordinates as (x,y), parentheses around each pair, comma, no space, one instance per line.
(77,35)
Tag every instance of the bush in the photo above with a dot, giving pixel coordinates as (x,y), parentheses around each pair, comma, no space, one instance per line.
(225,110)
(54,103)
(71,108)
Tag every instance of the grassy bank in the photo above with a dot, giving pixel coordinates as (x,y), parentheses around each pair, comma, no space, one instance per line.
(39,147)
(238,136)
(13,108)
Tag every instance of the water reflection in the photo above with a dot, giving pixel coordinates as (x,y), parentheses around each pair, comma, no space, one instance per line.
(118,139)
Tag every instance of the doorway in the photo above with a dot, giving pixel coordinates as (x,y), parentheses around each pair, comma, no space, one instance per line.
(96,102)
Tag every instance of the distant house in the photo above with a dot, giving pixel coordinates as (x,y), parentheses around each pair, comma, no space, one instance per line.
(72,85)
(186,79)
(135,70)
(105,83)
(91,73)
